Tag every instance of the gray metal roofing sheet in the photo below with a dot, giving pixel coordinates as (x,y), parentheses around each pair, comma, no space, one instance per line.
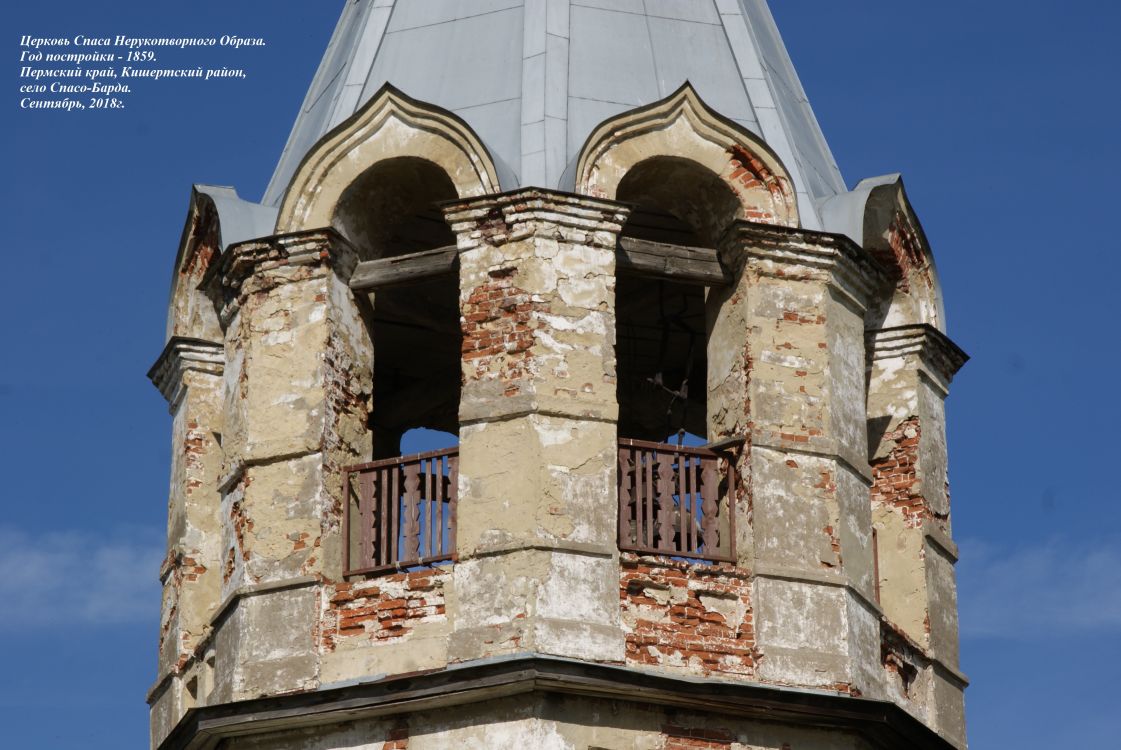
(239,220)
(535,77)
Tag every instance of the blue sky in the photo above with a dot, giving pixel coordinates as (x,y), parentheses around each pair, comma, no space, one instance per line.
(1003,117)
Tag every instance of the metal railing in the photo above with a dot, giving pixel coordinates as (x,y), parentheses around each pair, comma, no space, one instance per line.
(676,501)
(400,512)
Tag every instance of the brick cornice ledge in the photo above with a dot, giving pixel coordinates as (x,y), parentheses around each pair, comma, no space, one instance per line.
(183,355)
(880,723)
(790,253)
(520,214)
(244,260)
(940,357)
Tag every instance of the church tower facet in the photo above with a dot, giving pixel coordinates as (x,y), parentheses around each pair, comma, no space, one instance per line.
(691,490)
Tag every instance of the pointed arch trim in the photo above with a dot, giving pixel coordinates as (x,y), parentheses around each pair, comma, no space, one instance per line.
(683,126)
(878,215)
(389,126)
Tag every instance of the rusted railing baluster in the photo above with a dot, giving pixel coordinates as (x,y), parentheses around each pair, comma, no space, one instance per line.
(657,480)
(366,512)
(690,493)
(429,516)
(639,508)
(665,502)
(682,461)
(400,519)
(411,521)
(709,505)
(626,500)
(436,503)
(394,514)
(648,460)
(383,525)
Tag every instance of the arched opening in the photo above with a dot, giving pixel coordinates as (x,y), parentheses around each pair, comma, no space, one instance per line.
(678,201)
(391,211)
(661,344)
(674,493)
(403,512)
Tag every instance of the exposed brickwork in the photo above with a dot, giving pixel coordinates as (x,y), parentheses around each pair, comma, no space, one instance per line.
(348,391)
(907,249)
(347,386)
(194,449)
(498,330)
(693,738)
(750,173)
(901,658)
(895,480)
(695,617)
(383,609)
(904,254)
(398,737)
(241,525)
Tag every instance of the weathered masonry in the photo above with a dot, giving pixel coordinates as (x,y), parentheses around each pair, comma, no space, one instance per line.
(694,489)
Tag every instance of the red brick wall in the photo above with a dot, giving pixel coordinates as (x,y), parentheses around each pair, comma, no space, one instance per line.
(498,322)
(384,608)
(686,738)
(696,618)
(895,479)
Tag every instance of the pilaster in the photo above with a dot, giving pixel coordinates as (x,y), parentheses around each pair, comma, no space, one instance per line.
(297,392)
(189,375)
(801,297)
(538,560)
(909,374)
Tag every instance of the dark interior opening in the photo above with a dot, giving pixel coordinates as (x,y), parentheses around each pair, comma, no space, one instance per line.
(661,342)
(392,210)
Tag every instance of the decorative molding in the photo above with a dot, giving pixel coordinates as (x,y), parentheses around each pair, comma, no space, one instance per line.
(183,355)
(882,724)
(520,214)
(240,262)
(940,357)
(709,139)
(412,129)
(785,253)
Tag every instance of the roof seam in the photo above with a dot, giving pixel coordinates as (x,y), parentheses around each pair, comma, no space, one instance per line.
(389,31)
(653,57)
(381,41)
(646,14)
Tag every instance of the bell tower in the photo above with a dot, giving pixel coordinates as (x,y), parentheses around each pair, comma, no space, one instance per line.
(693,489)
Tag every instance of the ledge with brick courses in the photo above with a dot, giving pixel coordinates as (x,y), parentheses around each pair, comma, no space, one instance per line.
(225,279)
(882,724)
(849,268)
(940,357)
(383,609)
(669,623)
(183,355)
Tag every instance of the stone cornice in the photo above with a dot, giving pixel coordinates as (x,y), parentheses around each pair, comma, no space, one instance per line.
(183,355)
(880,723)
(940,357)
(244,260)
(520,214)
(790,253)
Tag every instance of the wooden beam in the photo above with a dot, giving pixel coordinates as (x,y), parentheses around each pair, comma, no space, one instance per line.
(403,269)
(689,265)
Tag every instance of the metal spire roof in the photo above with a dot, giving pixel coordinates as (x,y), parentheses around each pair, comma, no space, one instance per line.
(535,77)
